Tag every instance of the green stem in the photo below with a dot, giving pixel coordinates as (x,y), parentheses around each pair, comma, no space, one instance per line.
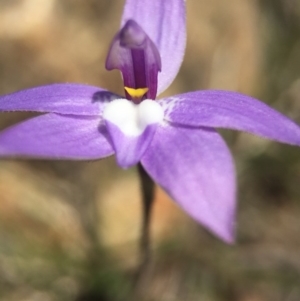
(147,189)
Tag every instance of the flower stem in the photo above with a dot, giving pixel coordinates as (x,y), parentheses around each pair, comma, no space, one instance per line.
(147,189)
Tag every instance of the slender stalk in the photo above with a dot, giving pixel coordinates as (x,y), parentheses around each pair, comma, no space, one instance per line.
(147,189)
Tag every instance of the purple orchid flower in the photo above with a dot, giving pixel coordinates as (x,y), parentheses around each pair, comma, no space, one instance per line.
(174,138)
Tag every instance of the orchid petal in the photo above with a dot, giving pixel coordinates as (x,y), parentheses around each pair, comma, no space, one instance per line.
(231,110)
(129,149)
(195,168)
(131,128)
(53,136)
(69,99)
(165,24)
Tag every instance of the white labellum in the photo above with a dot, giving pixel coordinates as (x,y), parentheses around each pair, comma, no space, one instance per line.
(132,119)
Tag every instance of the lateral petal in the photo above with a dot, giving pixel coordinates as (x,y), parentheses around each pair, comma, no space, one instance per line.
(225,109)
(195,168)
(53,136)
(69,99)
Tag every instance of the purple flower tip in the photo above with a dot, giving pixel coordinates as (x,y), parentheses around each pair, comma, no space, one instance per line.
(136,56)
(132,36)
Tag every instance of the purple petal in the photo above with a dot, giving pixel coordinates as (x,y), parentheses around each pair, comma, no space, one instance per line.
(58,98)
(195,168)
(55,136)
(129,149)
(164,22)
(231,110)
(136,56)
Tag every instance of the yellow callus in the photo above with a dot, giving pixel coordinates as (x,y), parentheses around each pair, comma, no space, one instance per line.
(136,93)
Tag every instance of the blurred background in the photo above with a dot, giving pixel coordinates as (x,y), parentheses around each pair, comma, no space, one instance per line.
(69,230)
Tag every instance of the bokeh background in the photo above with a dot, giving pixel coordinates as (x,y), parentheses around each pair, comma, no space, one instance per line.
(69,230)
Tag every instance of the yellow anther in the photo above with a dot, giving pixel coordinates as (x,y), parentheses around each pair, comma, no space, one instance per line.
(136,93)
